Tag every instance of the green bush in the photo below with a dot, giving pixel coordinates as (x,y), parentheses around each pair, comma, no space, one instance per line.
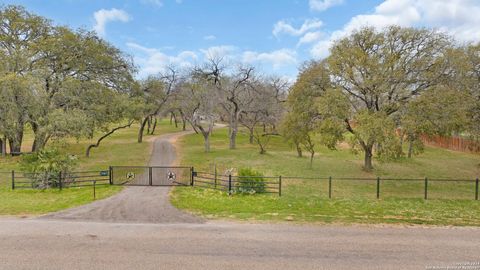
(250,182)
(47,167)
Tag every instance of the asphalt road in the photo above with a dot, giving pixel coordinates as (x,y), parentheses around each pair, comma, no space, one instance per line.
(47,244)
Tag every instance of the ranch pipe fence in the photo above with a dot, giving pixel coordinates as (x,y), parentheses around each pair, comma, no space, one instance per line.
(329,187)
(25,180)
(344,186)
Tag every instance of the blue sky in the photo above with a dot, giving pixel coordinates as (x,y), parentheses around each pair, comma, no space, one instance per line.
(276,36)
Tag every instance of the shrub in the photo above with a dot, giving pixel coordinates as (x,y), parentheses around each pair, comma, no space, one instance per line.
(250,181)
(47,166)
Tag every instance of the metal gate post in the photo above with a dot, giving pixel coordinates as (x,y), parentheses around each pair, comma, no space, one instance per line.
(192,179)
(13,179)
(280,186)
(150,180)
(229,184)
(330,187)
(378,187)
(215,176)
(476,189)
(110,172)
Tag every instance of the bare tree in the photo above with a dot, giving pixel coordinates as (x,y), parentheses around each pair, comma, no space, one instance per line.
(234,90)
(263,112)
(199,105)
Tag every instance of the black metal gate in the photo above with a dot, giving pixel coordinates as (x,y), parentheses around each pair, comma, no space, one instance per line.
(151,176)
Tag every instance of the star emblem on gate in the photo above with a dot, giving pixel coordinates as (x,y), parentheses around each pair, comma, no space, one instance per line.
(171,176)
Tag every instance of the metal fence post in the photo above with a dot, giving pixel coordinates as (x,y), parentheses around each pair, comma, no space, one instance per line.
(13,179)
(150,176)
(229,184)
(330,187)
(378,187)
(476,189)
(60,180)
(94,191)
(426,188)
(110,177)
(280,186)
(215,176)
(192,179)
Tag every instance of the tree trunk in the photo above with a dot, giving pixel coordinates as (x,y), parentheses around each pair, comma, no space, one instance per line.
(368,158)
(410,148)
(39,141)
(233,133)
(184,122)
(262,148)
(251,135)
(175,119)
(142,128)
(15,142)
(312,154)
(149,124)
(154,126)
(2,151)
(206,137)
(299,150)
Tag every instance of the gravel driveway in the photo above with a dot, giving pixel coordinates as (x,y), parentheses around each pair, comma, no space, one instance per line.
(137,204)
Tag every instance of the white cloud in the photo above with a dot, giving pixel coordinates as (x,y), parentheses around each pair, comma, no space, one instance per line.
(225,51)
(277,59)
(157,3)
(321,5)
(103,16)
(459,18)
(310,37)
(153,61)
(284,27)
(210,37)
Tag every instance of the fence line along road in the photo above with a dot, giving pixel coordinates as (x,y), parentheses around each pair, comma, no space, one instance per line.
(291,184)
(370,187)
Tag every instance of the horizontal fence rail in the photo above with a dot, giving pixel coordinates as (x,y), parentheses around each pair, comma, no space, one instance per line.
(343,187)
(238,184)
(25,180)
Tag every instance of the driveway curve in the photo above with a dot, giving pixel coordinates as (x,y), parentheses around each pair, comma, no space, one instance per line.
(137,204)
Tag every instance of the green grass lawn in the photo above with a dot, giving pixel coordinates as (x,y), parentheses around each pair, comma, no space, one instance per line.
(121,148)
(353,201)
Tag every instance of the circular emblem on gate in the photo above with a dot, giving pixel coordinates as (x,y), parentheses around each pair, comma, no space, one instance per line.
(171,176)
(130,175)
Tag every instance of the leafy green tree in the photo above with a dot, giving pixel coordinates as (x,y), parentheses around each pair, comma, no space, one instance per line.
(55,79)
(155,92)
(438,111)
(380,72)
(20,32)
(314,108)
